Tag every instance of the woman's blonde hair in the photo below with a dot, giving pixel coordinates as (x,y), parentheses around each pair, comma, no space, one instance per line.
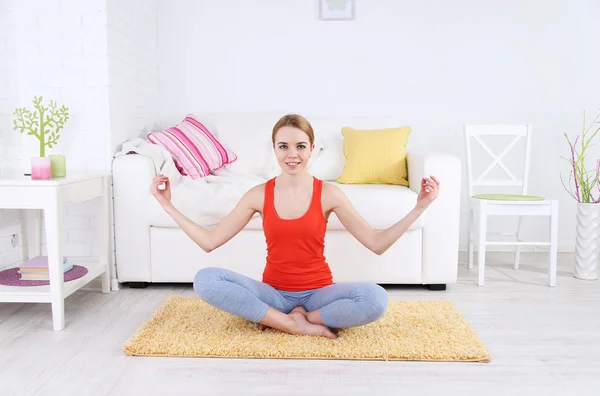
(296,121)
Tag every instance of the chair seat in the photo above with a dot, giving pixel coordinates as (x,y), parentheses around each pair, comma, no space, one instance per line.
(508,197)
(494,207)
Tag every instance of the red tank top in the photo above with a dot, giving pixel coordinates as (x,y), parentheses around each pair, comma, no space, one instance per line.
(295,259)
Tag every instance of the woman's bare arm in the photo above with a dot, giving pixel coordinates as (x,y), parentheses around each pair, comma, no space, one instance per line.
(226,229)
(379,242)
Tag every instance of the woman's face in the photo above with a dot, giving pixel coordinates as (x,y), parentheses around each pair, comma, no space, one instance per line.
(292,149)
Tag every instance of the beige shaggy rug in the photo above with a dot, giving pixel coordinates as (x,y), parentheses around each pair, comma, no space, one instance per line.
(410,330)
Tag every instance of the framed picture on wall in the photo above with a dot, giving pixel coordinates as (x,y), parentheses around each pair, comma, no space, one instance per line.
(336,10)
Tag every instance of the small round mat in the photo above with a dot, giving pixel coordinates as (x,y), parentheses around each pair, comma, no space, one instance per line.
(10,277)
(508,197)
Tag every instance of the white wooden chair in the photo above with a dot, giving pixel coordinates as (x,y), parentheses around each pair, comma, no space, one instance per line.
(482,206)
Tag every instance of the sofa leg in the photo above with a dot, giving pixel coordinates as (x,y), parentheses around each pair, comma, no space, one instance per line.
(437,286)
(138,285)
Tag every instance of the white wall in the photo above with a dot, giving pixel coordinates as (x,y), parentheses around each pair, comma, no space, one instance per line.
(436,64)
(132,31)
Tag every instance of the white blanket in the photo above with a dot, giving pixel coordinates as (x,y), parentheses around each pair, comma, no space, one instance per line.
(205,201)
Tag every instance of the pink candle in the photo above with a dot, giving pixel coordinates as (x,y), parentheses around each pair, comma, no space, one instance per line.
(40,168)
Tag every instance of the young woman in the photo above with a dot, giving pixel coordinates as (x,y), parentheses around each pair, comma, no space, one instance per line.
(297,294)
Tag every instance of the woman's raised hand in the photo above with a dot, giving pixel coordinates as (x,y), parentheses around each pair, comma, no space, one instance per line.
(163,196)
(429,191)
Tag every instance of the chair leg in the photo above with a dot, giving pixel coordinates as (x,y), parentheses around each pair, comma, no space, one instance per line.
(470,239)
(553,244)
(518,250)
(482,229)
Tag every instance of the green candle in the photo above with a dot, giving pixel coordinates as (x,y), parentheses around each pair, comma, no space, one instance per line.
(58,164)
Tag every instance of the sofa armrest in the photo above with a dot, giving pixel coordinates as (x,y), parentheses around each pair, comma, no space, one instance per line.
(132,179)
(442,218)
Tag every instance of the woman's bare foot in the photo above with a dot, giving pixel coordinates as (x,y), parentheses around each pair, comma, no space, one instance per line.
(293,323)
(299,308)
(304,327)
(304,312)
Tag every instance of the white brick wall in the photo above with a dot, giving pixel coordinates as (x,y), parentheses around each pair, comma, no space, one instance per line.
(10,141)
(8,86)
(97,57)
(10,224)
(56,49)
(56,41)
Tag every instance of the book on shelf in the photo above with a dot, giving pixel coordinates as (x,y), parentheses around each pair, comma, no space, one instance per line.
(38,262)
(39,275)
(37,268)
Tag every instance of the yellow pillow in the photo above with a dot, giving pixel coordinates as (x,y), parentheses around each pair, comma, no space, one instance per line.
(375,156)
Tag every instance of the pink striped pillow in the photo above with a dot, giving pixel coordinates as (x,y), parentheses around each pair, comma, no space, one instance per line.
(195,150)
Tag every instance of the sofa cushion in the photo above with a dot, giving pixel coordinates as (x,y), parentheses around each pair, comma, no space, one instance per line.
(375,156)
(195,150)
(330,163)
(381,205)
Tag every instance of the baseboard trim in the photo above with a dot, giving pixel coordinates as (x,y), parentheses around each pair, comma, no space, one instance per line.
(96,285)
(524,249)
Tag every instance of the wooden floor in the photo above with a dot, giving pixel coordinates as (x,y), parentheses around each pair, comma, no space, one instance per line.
(543,341)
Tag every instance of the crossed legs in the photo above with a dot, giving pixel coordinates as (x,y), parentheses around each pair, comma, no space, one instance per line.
(313,312)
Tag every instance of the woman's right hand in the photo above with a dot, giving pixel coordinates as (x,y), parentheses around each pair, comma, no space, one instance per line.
(163,196)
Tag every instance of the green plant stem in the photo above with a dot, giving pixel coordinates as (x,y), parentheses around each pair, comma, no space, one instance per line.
(585,180)
(42,136)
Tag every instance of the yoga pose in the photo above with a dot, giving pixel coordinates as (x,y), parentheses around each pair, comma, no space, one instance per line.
(297,294)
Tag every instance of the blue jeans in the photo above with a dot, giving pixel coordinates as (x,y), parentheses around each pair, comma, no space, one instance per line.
(342,305)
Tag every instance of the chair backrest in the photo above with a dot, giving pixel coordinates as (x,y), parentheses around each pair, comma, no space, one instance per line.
(476,132)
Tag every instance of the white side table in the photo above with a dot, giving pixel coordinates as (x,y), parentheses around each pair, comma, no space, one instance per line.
(50,196)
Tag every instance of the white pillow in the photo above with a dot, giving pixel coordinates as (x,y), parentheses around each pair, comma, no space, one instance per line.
(330,163)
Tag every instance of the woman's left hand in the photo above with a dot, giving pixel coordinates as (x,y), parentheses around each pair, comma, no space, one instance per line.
(430,187)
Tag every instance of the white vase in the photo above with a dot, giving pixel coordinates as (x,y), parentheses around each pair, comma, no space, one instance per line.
(587,241)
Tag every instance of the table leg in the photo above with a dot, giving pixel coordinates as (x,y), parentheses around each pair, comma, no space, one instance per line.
(55,261)
(33,219)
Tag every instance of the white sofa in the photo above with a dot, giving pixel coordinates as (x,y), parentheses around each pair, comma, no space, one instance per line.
(150,248)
